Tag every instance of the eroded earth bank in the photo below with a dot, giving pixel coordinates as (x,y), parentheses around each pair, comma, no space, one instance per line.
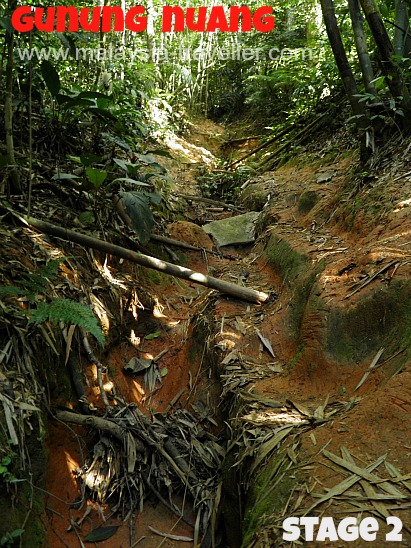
(207,419)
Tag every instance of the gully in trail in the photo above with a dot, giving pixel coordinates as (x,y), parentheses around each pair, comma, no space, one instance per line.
(227,417)
(166,364)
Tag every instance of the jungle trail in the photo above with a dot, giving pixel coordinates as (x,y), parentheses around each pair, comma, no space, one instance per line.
(174,19)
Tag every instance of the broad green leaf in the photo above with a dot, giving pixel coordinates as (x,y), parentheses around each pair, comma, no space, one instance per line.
(93,95)
(103,102)
(74,158)
(103,114)
(75,102)
(62,176)
(136,206)
(119,142)
(158,167)
(146,158)
(87,217)
(5,23)
(68,42)
(51,77)
(124,165)
(17,533)
(154,197)
(164,372)
(147,176)
(101,533)
(96,176)
(127,180)
(88,159)
(152,336)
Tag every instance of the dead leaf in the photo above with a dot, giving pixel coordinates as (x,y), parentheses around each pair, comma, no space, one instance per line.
(265,342)
(136,365)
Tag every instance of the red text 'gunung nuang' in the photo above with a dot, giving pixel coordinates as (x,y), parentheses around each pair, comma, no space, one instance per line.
(114,18)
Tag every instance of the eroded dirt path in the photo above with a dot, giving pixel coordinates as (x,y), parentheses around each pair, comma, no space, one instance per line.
(166,331)
(279,376)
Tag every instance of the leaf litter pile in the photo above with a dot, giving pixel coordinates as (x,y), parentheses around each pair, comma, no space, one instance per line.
(134,456)
(137,456)
(270,432)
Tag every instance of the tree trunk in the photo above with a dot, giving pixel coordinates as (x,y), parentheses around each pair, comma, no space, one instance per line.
(361,46)
(343,64)
(401,26)
(13,179)
(391,71)
(150,32)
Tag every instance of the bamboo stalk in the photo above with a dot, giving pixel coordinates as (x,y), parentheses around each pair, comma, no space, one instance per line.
(283,132)
(228,288)
(244,139)
(269,160)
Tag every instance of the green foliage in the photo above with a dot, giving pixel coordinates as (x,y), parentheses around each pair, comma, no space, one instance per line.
(68,312)
(224,184)
(9,539)
(137,207)
(5,462)
(51,77)
(35,285)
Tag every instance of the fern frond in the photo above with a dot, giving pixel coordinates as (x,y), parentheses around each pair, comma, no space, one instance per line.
(67,311)
(39,280)
(50,269)
(12,290)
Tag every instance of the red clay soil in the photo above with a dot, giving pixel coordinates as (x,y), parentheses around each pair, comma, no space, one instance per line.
(379,424)
(182,378)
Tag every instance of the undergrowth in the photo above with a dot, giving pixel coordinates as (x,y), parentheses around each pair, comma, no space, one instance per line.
(34,287)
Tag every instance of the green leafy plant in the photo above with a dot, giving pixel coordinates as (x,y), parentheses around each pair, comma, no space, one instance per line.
(9,539)
(34,283)
(68,312)
(4,468)
(35,286)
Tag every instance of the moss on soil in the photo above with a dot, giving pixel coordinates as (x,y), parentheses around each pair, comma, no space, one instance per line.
(287,262)
(295,269)
(264,500)
(307,201)
(19,500)
(382,318)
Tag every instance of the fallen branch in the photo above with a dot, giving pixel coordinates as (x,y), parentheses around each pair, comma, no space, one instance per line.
(371,278)
(98,423)
(244,139)
(92,359)
(77,377)
(228,288)
(207,201)
(179,513)
(169,536)
(171,241)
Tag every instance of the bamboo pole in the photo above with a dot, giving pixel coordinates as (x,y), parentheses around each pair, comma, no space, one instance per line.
(269,160)
(283,132)
(228,288)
